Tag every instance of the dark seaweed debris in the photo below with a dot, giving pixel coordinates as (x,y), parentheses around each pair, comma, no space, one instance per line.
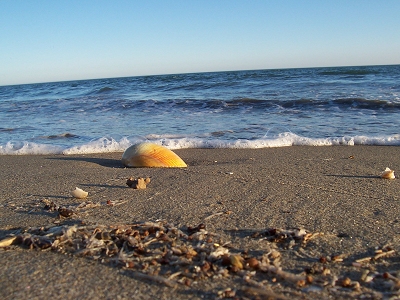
(161,252)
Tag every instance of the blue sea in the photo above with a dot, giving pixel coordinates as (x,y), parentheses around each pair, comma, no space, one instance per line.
(237,109)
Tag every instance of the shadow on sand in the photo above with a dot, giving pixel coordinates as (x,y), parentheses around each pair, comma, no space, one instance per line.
(352,176)
(104,162)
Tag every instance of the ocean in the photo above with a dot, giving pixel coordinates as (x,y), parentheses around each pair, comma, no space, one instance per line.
(236,109)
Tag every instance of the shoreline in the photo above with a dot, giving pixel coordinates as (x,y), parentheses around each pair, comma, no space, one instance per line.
(335,191)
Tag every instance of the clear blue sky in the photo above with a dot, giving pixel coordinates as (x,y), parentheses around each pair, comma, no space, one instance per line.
(44,41)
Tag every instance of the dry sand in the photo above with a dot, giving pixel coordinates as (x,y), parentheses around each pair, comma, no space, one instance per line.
(238,195)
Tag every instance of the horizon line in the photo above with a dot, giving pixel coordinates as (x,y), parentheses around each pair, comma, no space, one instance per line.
(201,72)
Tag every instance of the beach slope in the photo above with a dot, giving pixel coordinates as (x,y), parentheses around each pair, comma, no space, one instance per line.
(332,223)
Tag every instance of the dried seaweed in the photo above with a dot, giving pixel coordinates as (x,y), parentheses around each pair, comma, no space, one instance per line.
(165,254)
(68,212)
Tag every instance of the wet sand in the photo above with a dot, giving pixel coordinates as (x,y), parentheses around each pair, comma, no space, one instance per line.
(333,191)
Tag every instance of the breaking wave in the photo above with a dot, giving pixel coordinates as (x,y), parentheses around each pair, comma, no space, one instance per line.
(109,144)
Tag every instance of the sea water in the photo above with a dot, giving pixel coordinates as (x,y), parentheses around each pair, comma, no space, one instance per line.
(240,109)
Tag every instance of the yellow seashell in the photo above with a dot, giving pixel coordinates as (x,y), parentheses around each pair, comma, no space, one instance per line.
(79,193)
(388,174)
(151,155)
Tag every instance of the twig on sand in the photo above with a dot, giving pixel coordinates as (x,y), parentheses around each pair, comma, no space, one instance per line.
(155,278)
(120,202)
(377,256)
(263,292)
(383,254)
(259,289)
(213,215)
(174,275)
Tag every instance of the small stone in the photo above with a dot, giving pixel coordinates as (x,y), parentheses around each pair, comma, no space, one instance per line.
(140,183)
(65,212)
(252,263)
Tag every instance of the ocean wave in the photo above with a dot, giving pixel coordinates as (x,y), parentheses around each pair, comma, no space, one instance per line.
(65,135)
(348,72)
(355,71)
(223,109)
(366,104)
(173,142)
(262,104)
(198,105)
(105,89)
(7,129)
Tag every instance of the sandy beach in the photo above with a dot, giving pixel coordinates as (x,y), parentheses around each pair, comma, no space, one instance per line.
(350,218)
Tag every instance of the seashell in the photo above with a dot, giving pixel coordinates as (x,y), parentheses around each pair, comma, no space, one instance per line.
(388,174)
(151,155)
(79,193)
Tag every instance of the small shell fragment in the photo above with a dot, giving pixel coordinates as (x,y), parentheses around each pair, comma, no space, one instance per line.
(7,241)
(236,261)
(79,193)
(388,174)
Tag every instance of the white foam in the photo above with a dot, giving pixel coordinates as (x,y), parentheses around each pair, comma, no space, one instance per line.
(26,148)
(110,144)
(102,145)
